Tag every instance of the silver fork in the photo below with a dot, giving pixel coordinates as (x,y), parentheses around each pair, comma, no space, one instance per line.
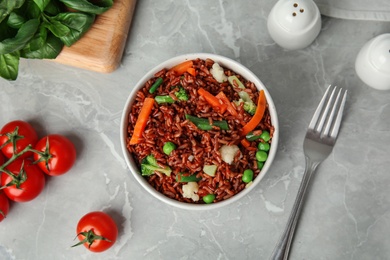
(320,138)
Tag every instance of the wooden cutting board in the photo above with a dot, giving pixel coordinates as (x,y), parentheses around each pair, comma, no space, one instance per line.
(101,48)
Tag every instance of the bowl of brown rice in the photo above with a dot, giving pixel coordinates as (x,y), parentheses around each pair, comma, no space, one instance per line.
(199,131)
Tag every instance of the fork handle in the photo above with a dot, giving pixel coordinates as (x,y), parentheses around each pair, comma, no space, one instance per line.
(282,249)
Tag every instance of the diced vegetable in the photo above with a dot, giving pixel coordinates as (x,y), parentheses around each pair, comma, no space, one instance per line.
(229,107)
(228,152)
(168,148)
(164,99)
(149,166)
(261,156)
(212,100)
(142,119)
(192,71)
(181,68)
(247,176)
(265,136)
(155,85)
(210,169)
(249,106)
(183,177)
(264,147)
(189,191)
(204,124)
(218,73)
(235,82)
(256,119)
(209,198)
(251,136)
(181,94)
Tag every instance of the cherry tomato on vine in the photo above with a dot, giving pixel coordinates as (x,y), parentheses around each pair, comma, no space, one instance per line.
(20,132)
(26,183)
(57,156)
(97,231)
(4,206)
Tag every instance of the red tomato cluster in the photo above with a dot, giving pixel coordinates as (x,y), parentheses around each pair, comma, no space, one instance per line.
(27,159)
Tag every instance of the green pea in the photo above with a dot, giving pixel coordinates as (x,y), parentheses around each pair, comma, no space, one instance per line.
(264,147)
(260,165)
(209,198)
(261,156)
(247,176)
(265,136)
(168,148)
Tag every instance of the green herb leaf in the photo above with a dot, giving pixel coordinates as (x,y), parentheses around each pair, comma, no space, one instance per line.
(42,4)
(99,7)
(9,64)
(49,50)
(24,35)
(6,7)
(78,23)
(57,28)
(15,20)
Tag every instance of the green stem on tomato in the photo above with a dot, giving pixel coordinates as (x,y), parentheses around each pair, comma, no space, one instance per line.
(90,237)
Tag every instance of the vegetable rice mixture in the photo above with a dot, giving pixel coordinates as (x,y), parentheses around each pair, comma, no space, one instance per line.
(200,133)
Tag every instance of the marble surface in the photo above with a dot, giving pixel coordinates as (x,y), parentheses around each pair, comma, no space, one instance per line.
(346,215)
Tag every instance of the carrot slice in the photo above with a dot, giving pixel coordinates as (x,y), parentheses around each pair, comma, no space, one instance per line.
(180,68)
(229,107)
(261,105)
(142,119)
(192,71)
(212,100)
(247,145)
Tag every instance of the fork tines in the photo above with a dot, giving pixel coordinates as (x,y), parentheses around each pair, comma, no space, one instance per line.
(327,117)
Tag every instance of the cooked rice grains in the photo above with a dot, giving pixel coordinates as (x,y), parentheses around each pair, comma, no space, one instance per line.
(196,148)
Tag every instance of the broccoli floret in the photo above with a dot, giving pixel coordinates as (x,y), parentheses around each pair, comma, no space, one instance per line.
(181,94)
(248,106)
(149,166)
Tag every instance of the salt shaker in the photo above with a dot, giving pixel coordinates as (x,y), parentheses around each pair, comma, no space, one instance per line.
(294,24)
(373,62)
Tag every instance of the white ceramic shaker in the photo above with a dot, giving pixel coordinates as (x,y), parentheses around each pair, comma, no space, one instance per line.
(373,62)
(294,24)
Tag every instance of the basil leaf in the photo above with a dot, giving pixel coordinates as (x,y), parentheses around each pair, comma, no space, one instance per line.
(37,41)
(15,20)
(53,8)
(23,36)
(85,6)
(78,23)
(56,27)
(42,4)
(49,50)
(9,64)
(6,7)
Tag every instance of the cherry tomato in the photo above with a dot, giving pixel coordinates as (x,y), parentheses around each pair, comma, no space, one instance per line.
(24,136)
(4,206)
(30,180)
(58,154)
(97,231)
(1,159)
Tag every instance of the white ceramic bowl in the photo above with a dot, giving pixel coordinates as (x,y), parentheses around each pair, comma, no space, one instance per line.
(227,63)
(294,24)
(373,62)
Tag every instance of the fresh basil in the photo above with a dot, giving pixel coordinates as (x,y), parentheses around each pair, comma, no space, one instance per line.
(9,64)
(6,7)
(50,50)
(99,6)
(78,23)
(15,20)
(23,36)
(38,29)
(42,4)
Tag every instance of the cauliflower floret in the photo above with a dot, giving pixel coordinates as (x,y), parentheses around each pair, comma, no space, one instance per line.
(228,152)
(218,74)
(189,191)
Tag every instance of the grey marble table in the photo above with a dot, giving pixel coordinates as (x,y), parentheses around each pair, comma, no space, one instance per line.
(347,214)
